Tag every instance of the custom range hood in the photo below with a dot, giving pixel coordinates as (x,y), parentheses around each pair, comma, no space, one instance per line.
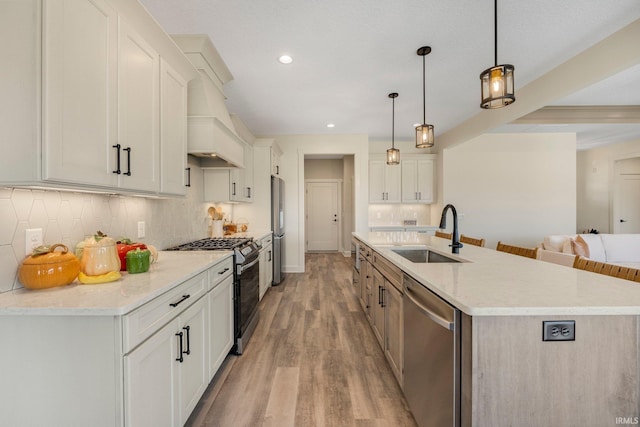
(211,134)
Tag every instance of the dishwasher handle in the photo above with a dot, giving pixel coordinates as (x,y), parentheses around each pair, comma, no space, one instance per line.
(439,320)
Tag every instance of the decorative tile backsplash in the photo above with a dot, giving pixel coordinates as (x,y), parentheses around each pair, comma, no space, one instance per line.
(68,217)
(394,214)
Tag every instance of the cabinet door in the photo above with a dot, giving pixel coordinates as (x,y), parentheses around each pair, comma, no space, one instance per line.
(377,310)
(220,324)
(392,183)
(275,162)
(269,268)
(194,369)
(216,185)
(376,181)
(393,329)
(425,181)
(173,131)
(151,380)
(248,173)
(409,181)
(138,111)
(79,92)
(384,182)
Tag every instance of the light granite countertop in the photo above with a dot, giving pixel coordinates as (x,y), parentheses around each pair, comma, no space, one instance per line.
(492,283)
(115,298)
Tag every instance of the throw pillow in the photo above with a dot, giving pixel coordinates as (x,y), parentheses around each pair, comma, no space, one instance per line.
(580,247)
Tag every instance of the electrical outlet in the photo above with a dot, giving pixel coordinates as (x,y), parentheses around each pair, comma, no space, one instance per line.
(33,239)
(140,229)
(559,330)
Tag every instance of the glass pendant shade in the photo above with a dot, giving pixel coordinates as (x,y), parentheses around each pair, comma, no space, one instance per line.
(497,86)
(496,83)
(393,156)
(424,136)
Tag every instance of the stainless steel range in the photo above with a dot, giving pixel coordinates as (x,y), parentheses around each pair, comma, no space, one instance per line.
(246,281)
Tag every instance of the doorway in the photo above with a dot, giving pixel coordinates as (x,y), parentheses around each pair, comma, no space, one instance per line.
(323,215)
(626,206)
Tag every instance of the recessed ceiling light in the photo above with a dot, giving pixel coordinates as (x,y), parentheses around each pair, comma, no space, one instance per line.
(330,125)
(285,59)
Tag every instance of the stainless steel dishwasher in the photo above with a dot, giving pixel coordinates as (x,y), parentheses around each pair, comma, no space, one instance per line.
(431,357)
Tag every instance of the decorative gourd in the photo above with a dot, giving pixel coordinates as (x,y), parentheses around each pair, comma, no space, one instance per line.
(47,268)
(99,255)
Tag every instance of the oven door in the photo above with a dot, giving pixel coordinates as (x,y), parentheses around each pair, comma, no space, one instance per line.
(246,301)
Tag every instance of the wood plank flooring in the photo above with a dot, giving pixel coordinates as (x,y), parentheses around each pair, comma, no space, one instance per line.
(313,361)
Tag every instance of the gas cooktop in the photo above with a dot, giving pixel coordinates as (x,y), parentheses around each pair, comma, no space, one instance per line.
(212,244)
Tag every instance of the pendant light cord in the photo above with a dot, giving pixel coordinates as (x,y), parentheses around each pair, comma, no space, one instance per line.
(495,34)
(393,122)
(424,93)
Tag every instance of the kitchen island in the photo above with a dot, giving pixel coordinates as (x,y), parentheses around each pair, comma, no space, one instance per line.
(507,374)
(135,352)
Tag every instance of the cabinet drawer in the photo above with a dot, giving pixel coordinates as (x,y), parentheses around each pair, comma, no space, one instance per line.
(392,273)
(219,272)
(146,320)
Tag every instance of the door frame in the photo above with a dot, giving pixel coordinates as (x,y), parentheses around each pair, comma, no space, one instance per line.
(340,183)
(615,180)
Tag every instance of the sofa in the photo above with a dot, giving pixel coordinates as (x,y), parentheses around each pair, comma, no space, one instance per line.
(620,249)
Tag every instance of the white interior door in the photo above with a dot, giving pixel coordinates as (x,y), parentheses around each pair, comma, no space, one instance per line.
(323,216)
(627,215)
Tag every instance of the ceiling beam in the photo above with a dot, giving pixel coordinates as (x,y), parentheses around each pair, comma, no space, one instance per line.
(571,114)
(604,59)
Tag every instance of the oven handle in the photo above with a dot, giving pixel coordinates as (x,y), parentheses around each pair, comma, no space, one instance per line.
(251,264)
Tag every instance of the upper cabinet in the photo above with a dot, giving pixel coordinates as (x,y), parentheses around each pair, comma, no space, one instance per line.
(112,119)
(274,154)
(418,180)
(412,181)
(384,181)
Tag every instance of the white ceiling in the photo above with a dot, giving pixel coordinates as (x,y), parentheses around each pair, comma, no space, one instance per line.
(349,55)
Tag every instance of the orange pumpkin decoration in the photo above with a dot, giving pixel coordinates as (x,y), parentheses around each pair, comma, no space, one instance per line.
(47,268)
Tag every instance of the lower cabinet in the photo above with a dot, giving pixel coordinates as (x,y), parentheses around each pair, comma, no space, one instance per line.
(381,299)
(266,265)
(220,324)
(166,375)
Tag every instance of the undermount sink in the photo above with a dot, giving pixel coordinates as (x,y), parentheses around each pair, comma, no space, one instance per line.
(423,256)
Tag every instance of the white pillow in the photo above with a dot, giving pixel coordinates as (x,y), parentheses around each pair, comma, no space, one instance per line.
(596,248)
(555,242)
(621,247)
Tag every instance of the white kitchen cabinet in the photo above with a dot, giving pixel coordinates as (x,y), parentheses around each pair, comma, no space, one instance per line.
(119,370)
(137,151)
(266,264)
(87,80)
(275,153)
(230,184)
(418,178)
(79,92)
(384,181)
(152,380)
(174,177)
(221,337)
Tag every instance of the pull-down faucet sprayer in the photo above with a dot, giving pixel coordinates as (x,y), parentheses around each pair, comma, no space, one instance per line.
(455,241)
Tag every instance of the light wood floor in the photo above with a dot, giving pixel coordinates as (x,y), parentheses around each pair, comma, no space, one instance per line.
(312,361)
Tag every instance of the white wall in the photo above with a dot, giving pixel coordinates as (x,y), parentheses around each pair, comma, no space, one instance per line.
(294,148)
(513,187)
(596,175)
(323,169)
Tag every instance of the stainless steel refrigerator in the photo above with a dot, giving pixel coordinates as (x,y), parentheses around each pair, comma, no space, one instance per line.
(277,225)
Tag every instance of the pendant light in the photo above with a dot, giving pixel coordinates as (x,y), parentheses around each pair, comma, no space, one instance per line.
(393,154)
(424,132)
(497,82)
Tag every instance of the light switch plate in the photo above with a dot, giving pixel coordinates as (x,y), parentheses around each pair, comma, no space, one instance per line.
(141,229)
(33,239)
